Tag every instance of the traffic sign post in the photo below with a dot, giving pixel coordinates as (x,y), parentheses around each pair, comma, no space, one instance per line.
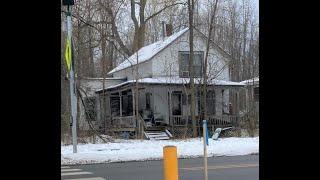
(70,68)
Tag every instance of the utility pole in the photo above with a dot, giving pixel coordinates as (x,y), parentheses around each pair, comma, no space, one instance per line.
(70,67)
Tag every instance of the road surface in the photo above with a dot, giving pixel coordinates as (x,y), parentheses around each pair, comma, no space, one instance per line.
(219,168)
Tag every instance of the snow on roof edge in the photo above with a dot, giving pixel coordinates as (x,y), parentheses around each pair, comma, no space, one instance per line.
(168,80)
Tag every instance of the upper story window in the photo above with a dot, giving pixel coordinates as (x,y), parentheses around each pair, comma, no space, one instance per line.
(184,63)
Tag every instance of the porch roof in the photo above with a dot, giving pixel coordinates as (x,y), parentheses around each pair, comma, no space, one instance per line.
(174,81)
(253,81)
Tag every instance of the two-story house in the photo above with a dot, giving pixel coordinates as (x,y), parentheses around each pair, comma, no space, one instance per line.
(162,70)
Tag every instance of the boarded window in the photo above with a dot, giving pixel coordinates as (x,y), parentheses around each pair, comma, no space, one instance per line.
(90,107)
(184,63)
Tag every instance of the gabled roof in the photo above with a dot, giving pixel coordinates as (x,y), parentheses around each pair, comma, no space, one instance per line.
(148,52)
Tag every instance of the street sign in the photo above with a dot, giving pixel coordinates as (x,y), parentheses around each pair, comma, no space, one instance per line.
(68,54)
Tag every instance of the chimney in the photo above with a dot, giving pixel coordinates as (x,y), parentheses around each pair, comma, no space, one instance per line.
(169,29)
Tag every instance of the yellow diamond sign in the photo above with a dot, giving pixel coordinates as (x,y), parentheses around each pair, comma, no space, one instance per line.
(68,54)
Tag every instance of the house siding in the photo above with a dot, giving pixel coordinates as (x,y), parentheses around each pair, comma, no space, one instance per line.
(144,71)
(166,62)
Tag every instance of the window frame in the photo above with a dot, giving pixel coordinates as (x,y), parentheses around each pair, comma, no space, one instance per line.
(180,53)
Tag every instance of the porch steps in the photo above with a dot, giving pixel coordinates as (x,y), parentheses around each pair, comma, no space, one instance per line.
(158,135)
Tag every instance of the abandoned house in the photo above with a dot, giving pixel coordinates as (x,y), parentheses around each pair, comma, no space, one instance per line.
(162,70)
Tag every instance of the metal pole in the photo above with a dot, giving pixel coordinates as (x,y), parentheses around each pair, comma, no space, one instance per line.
(205,164)
(73,97)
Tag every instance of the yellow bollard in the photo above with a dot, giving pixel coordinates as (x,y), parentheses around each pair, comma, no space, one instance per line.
(170,163)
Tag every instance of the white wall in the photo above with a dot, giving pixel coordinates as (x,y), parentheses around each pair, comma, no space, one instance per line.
(166,62)
(144,71)
(160,101)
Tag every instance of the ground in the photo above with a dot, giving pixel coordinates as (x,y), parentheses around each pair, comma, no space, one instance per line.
(141,150)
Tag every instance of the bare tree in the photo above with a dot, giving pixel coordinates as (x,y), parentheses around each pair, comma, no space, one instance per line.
(193,118)
(204,86)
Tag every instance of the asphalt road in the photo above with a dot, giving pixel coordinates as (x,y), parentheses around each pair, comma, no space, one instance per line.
(219,168)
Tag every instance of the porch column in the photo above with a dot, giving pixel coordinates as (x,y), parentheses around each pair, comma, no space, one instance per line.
(120,97)
(133,104)
(222,101)
(170,109)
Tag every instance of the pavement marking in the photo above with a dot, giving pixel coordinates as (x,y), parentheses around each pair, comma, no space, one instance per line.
(64,167)
(69,170)
(93,178)
(223,167)
(74,173)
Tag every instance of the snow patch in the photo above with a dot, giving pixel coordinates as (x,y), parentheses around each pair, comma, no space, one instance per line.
(140,150)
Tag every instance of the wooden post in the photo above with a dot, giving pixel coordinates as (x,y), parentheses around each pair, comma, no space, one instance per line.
(170,109)
(170,163)
(120,97)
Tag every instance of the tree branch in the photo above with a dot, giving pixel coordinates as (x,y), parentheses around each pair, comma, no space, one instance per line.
(114,29)
(133,14)
(164,8)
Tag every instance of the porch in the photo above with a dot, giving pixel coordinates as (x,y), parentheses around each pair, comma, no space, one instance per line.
(164,106)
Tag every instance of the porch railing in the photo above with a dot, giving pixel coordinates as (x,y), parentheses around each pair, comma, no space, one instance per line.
(223,121)
(178,120)
(217,121)
(123,122)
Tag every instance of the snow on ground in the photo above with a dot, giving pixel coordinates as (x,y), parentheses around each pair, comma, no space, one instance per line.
(139,150)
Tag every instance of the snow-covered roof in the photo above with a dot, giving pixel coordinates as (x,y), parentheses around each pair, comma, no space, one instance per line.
(148,52)
(176,80)
(251,81)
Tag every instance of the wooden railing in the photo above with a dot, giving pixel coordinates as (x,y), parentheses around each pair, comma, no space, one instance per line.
(223,121)
(123,122)
(217,121)
(178,120)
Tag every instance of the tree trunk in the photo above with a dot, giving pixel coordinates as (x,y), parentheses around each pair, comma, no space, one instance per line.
(193,118)
(205,77)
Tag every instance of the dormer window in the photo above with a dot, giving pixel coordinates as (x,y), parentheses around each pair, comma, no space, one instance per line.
(184,63)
